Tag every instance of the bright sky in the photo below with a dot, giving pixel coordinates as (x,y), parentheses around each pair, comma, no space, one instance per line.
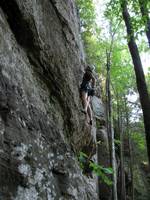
(100,6)
(145,57)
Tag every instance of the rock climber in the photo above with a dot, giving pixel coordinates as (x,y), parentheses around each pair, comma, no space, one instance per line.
(87,91)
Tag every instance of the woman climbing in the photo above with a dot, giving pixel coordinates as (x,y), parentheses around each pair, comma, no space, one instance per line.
(87,90)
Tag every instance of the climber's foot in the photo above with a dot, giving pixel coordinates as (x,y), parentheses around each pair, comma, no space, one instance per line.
(91,122)
(83,111)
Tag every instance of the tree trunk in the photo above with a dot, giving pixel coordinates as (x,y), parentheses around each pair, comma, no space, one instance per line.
(131,166)
(131,193)
(119,130)
(140,78)
(145,15)
(111,131)
(122,172)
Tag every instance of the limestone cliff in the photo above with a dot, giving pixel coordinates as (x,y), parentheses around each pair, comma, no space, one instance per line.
(41,126)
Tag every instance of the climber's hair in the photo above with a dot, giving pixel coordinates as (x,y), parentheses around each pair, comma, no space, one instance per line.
(89,68)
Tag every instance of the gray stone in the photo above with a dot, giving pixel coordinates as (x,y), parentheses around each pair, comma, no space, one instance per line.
(41,127)
(98,108)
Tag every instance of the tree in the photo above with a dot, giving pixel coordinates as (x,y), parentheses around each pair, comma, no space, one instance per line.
(120,78)
(140,78)
(130,147)
(110,127)
(145,16)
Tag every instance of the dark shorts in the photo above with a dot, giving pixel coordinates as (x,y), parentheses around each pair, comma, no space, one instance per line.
(85,87)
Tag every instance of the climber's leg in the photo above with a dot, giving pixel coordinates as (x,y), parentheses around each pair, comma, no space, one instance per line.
(88,100)
(89,111)
(84,96)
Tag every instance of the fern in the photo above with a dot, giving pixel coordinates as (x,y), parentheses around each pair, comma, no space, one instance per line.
(99,170)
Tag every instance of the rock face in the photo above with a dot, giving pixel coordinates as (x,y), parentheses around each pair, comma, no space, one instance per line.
(103,155)
(41,127)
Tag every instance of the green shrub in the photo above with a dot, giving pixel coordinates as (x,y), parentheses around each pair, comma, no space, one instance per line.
(88,166)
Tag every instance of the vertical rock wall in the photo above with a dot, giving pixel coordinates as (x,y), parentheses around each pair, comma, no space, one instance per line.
(41,127)
(103,154)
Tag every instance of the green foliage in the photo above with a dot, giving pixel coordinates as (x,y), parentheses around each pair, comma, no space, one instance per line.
(148,79)
(138,21)
(139,139)
(99,170)
(87,14)
(121,70)
(117,141)
(113,10)
(90,32)
(122,73)
(82,159)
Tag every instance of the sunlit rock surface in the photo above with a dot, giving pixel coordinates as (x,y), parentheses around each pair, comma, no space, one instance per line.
(41,126)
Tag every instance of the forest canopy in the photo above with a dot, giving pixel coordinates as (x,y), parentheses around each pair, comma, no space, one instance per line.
(116,37)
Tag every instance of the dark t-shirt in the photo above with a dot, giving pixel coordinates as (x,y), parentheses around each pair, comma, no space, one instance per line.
(88,83)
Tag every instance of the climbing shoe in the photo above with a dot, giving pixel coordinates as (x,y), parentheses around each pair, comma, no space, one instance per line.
(91,122)
(83,111)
